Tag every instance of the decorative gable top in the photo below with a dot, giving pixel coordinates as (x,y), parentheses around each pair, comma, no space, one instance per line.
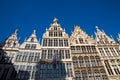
(55,30)
(102,38)
(79,36)
(12,41)
(31,42)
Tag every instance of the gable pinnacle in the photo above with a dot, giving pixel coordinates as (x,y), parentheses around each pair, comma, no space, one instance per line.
(16,31)
(55,20)
(34,32)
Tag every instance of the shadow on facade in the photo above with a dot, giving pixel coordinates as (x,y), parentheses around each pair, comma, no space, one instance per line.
(49,71)
(7,70)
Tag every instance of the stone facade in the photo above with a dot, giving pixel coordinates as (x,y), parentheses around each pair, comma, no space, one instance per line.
(60,57)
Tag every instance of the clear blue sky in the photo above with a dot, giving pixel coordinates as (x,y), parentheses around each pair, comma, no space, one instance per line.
(27,15)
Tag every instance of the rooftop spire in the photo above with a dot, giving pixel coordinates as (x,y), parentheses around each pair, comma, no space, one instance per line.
(55,20)
(97,28)
(34,32)
(16,31)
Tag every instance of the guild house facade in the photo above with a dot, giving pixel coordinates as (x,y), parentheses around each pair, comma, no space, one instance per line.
(63,57)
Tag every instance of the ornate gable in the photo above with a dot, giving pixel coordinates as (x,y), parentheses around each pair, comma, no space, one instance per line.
(12,41)
(79,36)
(31,42)
(55,30)
(102,38)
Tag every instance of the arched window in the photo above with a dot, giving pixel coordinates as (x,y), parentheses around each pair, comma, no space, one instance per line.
(98,61)
(97,75)
(108,67)
(81,61)
(90,74)
(87,62)
(84,75)
(103,74)
(77,75)
(75,62)
(92,61)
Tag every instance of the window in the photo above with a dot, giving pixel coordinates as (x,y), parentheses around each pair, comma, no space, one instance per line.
(43,54)
(50,34)
(81,61)
(83,49)
(50,42)
(55,42)
(55,34)
(75,62)
(113,52)
(107,51)
(97,75)
(27,46)
(76,41)
(101,51)
(49,54)
(33,46)
(60,34)
(104,76)
(44,42)
(93,63)
(77,47)
(88,49)
(98,61)
(108,67)
(84,75)
(93,49)
(56,52)
(55,28)
(87,62)
(81,40)
(60,42)
(77,75)
(61,53)
(65,42)
(67,54)
(72,47)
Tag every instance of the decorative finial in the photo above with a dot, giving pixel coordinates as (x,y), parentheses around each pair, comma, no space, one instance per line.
(16,31)
(55,20)
(96,27)
(34,32)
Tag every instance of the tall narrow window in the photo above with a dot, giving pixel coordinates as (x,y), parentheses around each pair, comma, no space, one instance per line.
(60,34)
(81,61)
(93,49)
(113,51)
(50,34)
(67,54)
(60,42)
(81,40)
(83,49)
(49,54)
(107,52)
(75,62)
(65,42)
(108,67)
(61,54)
(87,62)
(43,54)
(84,75)
(44,42)
(55,34)
(50,42)
(55,42)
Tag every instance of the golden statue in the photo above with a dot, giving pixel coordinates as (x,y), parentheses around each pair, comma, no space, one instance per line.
(55,20)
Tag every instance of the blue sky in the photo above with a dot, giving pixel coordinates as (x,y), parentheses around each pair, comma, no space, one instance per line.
(27,15)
